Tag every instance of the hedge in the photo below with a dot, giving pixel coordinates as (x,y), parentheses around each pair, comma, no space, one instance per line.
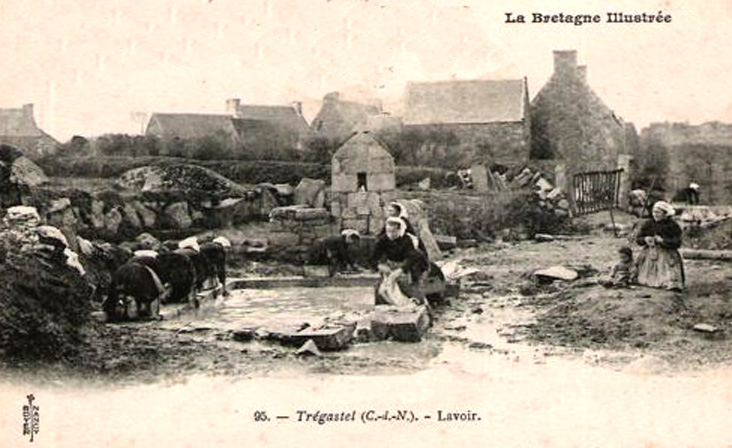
(241,171)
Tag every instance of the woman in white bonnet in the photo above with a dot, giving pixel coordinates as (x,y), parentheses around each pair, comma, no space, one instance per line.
(660,264)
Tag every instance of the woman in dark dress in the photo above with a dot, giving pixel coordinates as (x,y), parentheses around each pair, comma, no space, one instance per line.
(660,264)
(396,258)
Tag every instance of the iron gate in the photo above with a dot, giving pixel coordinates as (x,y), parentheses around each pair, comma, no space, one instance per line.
(596,191)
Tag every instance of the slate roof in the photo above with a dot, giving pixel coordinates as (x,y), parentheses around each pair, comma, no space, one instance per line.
(465,102)
(191,126)
(286,117)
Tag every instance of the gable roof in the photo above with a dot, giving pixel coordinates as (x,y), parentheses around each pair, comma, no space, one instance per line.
(282,116)
(465,102)
(190,126)
(362,144)
(17,123)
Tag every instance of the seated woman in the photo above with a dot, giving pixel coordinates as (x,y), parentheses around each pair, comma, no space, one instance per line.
(400,263)
(659,264)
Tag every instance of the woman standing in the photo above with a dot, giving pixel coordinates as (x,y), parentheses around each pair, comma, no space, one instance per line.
(660,264)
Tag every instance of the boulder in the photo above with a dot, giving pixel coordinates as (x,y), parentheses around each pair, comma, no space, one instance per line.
(177,214)
(557,273)
(309,348)
(112,220)
(58,205)
(22,216)
(131,215)
(310,192)
(284,190)
(146,215)
(97,214)
(24,172)
(424,184)
(403,324)
(181,177)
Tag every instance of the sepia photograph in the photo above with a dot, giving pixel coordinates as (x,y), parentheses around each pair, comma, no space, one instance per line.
(278,223)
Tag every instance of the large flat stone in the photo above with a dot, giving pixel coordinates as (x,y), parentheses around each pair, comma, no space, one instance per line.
(399,324)
(336,337)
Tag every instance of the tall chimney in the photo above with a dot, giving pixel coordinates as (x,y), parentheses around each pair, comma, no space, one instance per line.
(28,110)
(232,106)
(582,73)
(565,61)
(297,105)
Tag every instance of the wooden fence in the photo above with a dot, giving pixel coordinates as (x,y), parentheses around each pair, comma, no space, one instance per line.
(596,191)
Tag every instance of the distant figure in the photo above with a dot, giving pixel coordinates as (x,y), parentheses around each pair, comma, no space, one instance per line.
(693,194)
(690,194)
(660,264)
(624,273)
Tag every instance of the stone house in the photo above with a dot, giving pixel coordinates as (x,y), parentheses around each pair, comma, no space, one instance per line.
(363,180)
(571,123)
(689,153)
(176,126)
(18,128)
(480,121)
(267,128)
(338,118)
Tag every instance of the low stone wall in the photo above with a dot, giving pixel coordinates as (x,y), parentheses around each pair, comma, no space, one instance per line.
(114,216)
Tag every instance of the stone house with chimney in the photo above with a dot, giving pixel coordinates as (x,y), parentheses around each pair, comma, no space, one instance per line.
(571,123)
(253,129)
(338,118)
(268,128)
(18,128)
(175,126)
(477,121)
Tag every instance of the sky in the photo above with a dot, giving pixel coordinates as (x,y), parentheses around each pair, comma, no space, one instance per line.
(99,66)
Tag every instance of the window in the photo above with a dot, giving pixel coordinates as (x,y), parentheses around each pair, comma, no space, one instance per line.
(362,183)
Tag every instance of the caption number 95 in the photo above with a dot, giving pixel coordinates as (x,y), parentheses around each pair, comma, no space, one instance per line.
(260,416)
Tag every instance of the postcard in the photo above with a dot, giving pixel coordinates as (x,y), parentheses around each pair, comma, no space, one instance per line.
(277,223)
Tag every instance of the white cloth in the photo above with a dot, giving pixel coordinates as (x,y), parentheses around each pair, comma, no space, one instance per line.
(389,290)
(223,241)
(190,243)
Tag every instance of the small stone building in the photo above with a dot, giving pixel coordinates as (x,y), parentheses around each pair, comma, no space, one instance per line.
(363,180)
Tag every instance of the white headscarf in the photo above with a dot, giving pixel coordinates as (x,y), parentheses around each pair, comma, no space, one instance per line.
(402,210)
(664,207)
(223,241)
(400,222)
(190,243)
(694,186)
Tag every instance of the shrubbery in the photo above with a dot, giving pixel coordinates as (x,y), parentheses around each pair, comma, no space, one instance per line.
(44,304)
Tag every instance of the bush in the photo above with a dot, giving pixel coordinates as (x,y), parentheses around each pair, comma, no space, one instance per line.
(44,305)
(241,171)
(409,175)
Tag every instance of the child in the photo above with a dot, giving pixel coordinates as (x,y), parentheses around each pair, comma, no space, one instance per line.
(624,273)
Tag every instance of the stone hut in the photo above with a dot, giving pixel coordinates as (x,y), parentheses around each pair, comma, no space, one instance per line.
(363,180)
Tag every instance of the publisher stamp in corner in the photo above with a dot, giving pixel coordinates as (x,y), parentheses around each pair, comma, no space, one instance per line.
(31,418)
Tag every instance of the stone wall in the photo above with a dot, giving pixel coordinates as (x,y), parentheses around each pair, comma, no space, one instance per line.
(486,143)
(112,216)
(700,154)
